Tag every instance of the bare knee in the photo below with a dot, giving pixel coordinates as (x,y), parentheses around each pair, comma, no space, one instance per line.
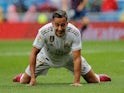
(25,79)
(93,80)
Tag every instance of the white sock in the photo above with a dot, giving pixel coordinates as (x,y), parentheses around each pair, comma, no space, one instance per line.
(97,77)
(21,77)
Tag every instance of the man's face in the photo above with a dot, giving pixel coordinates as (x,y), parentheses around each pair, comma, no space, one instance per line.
(59,25)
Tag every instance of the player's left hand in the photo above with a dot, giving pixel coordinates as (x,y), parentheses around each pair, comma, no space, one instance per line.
(76,84)
(32,82)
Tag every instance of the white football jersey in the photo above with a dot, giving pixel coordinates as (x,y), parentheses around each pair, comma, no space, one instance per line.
(56,48)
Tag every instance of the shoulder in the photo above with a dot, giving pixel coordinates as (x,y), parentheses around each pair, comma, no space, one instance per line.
(46,29)
(72,29)
(72,26)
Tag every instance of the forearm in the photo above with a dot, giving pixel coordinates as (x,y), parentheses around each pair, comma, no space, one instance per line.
(77,70)
(33,61)
(32,65)
(82,5)
(65,5)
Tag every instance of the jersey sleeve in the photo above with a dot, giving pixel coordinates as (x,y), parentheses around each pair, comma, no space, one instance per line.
(77,44)
(39,40)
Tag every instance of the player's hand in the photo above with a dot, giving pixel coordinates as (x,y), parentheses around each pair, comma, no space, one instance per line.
(32,82)
(76,84)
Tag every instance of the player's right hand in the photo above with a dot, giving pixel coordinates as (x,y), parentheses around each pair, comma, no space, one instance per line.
(76,84)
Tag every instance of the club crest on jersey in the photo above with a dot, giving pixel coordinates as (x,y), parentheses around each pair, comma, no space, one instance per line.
(51,38)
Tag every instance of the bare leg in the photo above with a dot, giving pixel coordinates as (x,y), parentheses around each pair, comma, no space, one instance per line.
(25,78)
(90,77)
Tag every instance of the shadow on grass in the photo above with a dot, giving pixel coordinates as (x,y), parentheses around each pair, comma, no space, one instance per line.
(55,84)
(38,85)
(51,84)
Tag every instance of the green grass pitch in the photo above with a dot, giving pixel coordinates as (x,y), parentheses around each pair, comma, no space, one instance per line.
(104,57)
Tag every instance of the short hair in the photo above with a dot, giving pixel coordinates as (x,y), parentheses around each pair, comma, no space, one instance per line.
(59,14)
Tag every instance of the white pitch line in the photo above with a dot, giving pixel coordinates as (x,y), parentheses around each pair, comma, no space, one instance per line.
(83,51)
(101,51)
(14,53)
(122,60)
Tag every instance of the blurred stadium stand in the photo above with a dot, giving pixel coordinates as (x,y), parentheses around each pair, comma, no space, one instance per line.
(104,25)
(120,5)
(94,16)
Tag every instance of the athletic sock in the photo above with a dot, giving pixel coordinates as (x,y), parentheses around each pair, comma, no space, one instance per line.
(21,77)
(98,77)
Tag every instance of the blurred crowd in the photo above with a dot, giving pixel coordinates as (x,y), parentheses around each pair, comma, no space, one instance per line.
(40,10)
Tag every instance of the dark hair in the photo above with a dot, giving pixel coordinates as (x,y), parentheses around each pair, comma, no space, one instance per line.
(59,14)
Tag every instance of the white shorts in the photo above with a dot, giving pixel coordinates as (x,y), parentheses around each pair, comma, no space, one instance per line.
(42,66)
